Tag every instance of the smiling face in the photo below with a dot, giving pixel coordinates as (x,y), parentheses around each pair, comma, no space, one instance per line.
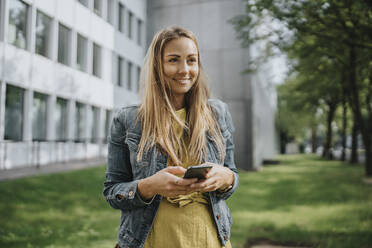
(180,66)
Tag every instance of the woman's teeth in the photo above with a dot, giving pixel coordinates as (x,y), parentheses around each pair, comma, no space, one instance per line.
(182,80)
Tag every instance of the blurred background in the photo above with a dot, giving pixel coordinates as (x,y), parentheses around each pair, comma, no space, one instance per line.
(325,102)
(67,66)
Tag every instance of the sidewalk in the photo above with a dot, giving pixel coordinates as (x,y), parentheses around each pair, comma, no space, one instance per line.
(51,168)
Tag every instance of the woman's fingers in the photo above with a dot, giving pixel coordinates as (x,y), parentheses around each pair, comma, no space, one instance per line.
(211,187)
(175,190)
(217,177)
(204,185)
(184,182)
(181,184)
(175,170)
(169,184)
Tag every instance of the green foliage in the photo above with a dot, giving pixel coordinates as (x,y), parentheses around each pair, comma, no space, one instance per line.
(294,112)
(329,46)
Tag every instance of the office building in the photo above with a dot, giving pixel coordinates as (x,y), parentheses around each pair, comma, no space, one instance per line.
(64,67)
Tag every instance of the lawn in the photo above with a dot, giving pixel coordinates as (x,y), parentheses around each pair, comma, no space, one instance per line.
(304,200)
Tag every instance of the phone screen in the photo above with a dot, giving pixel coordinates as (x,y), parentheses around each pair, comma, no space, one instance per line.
(198,171)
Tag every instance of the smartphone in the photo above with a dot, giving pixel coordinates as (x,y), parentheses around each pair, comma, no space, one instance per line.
(197,171)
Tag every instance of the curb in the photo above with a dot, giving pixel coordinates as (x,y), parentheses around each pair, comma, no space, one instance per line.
(50,168)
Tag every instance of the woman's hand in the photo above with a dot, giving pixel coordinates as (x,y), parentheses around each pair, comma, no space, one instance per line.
(166,183)
(217,178)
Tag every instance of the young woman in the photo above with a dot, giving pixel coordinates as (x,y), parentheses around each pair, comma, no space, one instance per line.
(151,145)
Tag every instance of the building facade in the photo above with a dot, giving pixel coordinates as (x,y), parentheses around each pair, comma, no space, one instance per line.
(65,66)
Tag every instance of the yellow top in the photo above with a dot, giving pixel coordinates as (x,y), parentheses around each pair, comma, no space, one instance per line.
(185,221)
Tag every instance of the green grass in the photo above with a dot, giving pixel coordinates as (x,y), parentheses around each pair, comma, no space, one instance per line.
(304,200)
(59,210)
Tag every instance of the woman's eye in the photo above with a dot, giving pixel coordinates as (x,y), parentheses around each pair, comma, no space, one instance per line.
(173,60)
(192,60)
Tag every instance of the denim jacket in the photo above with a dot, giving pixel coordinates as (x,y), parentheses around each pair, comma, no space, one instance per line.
(124,172)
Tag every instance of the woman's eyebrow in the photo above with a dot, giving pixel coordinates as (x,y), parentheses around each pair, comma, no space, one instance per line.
(176,55)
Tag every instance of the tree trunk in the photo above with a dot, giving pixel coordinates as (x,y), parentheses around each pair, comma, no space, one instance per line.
(368,154)
(367,139)
(283,142)
(327,153)
(362,122)
(354,142)
(313,139)
(355,104)
(344,125)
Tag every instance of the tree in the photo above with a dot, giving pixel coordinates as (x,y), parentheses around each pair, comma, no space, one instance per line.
(294,113)
(339,29)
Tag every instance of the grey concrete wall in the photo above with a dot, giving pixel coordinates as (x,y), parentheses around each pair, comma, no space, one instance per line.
(35,73)
(263,127)
(34,154)
(224,61)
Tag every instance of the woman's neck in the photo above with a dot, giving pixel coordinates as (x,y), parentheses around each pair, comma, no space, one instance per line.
(179,102)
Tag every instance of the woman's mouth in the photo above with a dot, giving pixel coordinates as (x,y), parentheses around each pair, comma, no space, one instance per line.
(182,80)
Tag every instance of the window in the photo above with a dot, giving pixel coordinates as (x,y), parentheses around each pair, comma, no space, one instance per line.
(80,122)
(93,118)
(138,78)
(84,2)
(64,34)
(2,14)
(120,71)
(39,121)
(107,124)
(129,73)
(97,7)
(110,11)
(81,52)
(139,32)
(130,21)
(97,60)
(13,113)
(89,125)
(17,29)
(43,34)
(60,120)
(121,18)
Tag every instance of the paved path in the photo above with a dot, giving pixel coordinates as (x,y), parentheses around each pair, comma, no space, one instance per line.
(47,169)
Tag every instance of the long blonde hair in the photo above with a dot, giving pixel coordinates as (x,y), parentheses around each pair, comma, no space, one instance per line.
(156,112)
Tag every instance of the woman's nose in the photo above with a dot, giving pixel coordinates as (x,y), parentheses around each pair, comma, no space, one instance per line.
(183,67)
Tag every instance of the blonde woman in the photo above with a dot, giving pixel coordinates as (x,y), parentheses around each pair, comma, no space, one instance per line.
(151,145)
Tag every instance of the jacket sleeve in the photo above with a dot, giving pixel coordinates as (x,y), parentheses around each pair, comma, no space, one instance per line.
(120,190)
(230,147)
